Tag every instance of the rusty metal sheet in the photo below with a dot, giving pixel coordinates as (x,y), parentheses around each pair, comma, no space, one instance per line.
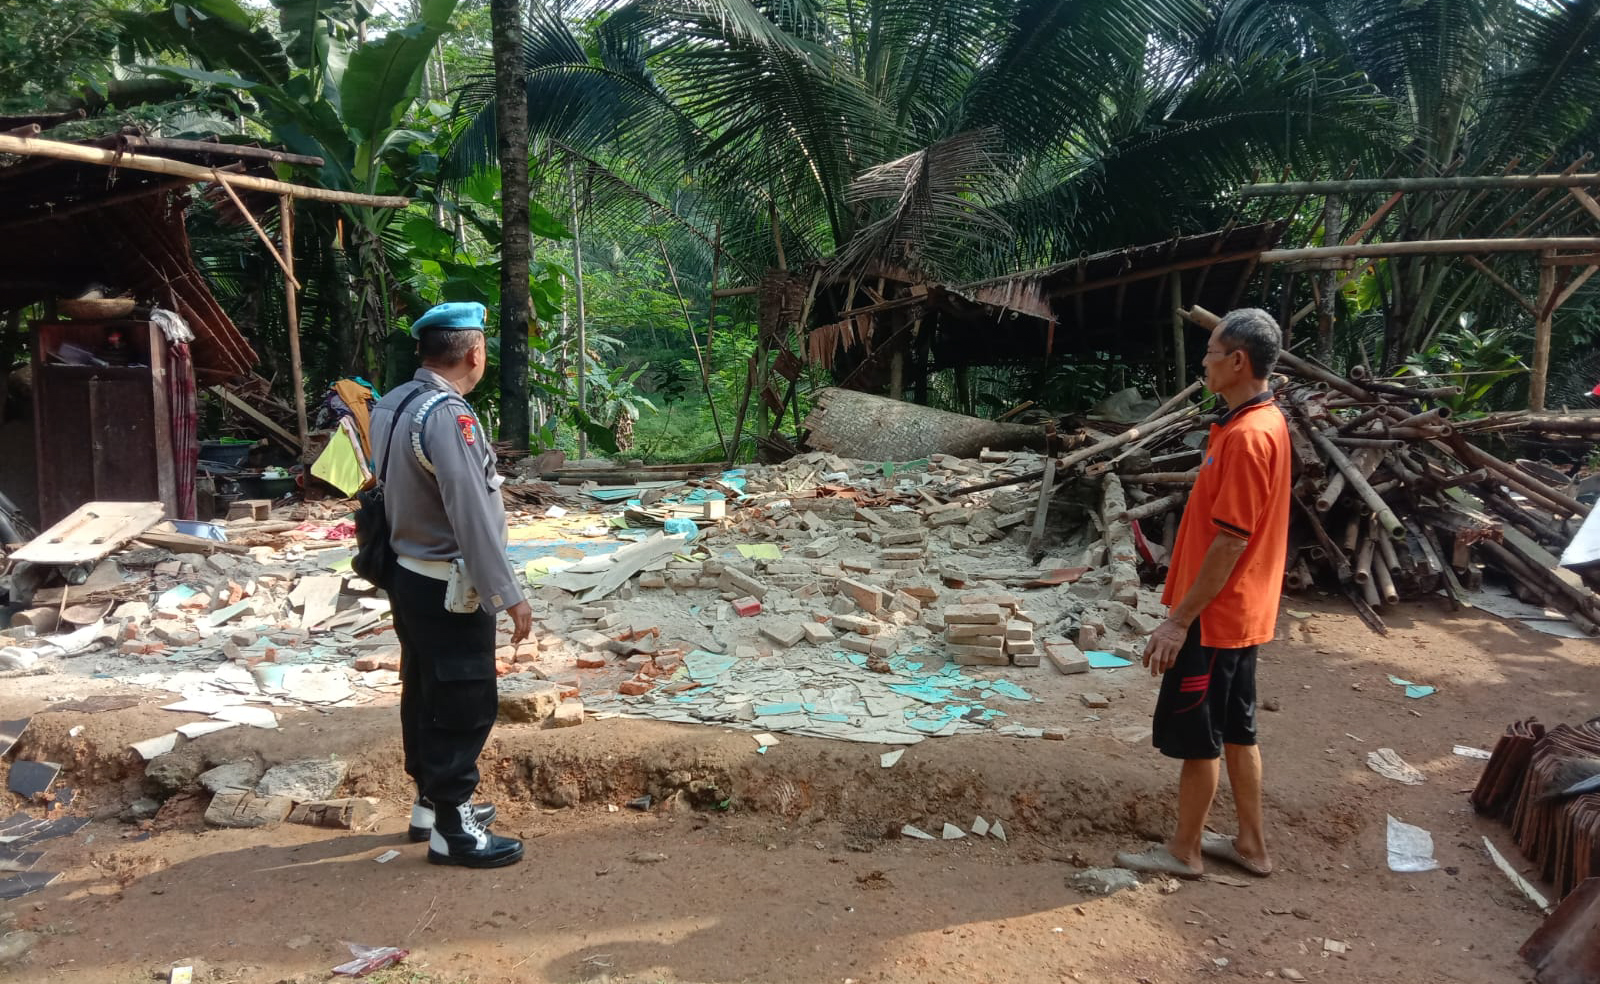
(1565,949)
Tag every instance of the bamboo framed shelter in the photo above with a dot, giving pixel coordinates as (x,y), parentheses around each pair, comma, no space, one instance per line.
(1549,225)
(73,197)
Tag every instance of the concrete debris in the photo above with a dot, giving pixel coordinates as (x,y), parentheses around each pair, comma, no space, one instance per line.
(1103,881)
(343,814)
(308,780)
(230,775)
(241,808)
(855,600)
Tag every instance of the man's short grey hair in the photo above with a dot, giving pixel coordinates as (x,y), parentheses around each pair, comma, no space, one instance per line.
(446,346)
(1254,331)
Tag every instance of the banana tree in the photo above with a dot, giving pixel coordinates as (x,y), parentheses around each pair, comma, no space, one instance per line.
(321,91)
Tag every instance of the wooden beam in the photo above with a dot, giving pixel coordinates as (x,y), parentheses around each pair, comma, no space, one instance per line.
(1541,338)
(77,153)
(1570,259)
(1433,247)
(1367,226)
(1158,271)
(1586,200)
(286,266)
(735,291)
(256,416)
(1494,278)
(218,148)
(292,319)
(1572,288)
(1456,183)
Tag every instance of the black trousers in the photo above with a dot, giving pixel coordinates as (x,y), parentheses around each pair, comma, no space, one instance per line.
(448,698)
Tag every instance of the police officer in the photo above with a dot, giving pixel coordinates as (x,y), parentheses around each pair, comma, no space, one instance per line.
(447,525)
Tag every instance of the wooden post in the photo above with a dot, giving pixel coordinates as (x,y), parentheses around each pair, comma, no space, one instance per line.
(1180,358)
(1541,337)
(577,281)
(1331,222)
(292,318)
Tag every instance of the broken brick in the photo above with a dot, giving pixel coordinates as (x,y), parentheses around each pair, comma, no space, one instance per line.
(738,581)
(868,598)
(746,607)
(591,661)
(974,614)
(785,634)
(816,632)
(857,624)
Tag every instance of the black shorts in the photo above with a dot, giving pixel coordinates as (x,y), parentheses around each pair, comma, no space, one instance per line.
(1208,698)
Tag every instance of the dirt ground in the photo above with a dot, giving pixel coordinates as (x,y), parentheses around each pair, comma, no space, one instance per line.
(795,878)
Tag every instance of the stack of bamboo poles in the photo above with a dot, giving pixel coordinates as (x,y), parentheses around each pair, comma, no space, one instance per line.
(1391,501)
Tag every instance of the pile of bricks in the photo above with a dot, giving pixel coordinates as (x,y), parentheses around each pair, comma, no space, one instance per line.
(989,629)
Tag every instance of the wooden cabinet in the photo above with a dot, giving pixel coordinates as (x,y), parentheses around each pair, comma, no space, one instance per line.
(104,432)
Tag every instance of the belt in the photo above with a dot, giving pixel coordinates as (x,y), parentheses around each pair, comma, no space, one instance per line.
(439,570)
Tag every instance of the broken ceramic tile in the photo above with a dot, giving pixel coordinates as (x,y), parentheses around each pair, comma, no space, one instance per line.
(29,779)
(10,731)
(159,745)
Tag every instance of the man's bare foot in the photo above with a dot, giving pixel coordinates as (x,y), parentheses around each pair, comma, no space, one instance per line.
(1225,848)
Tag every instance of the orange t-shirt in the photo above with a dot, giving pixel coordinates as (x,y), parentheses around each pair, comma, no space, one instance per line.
(1242,490)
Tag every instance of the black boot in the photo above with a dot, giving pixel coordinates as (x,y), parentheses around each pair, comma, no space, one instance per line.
(458,838)
(422,814)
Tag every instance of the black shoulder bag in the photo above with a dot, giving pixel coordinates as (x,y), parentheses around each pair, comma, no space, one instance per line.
(375,556)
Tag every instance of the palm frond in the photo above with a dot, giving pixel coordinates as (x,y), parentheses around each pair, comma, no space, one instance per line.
(935,210)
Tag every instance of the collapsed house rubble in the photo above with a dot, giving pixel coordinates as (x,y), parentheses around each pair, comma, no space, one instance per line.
(874,600)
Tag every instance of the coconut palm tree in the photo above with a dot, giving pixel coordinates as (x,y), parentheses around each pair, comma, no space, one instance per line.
(1476,87)
(955,137)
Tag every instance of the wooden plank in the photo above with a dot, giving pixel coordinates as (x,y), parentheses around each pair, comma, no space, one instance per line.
(285,438)
(91,532)
(184,543)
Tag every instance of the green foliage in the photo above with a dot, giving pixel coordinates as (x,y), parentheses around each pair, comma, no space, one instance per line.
(52,48)
(1477,361)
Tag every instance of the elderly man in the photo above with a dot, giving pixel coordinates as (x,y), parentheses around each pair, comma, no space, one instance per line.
(1222,595)
(447,524)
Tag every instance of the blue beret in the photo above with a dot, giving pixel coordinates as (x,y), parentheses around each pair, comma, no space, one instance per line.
(453,316)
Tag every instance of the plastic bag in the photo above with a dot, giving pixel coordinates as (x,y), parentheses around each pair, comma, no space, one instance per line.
(370,958)
(1410,848)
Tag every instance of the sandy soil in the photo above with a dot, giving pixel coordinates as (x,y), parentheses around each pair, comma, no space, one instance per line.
(796,879)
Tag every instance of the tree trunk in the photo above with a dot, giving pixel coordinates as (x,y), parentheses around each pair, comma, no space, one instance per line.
(516,246)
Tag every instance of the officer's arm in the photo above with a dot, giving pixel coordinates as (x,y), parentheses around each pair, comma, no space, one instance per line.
(463,486)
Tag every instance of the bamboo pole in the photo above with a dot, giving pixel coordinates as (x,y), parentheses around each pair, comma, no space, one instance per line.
(577,280)
(1352,477)
(1161,478)
(1383,185)
(1177,399)
(1126,437)
(287,267)
(292,319)
(1430,247)
(1384,579)
(1541,338)
(36,147)
(1154,507)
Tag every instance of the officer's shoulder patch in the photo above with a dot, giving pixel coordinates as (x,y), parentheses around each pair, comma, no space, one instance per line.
(469,427)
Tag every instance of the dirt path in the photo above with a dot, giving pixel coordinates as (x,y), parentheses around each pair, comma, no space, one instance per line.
(796,880)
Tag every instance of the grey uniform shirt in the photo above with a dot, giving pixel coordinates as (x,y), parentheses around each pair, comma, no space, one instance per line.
(456,510)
